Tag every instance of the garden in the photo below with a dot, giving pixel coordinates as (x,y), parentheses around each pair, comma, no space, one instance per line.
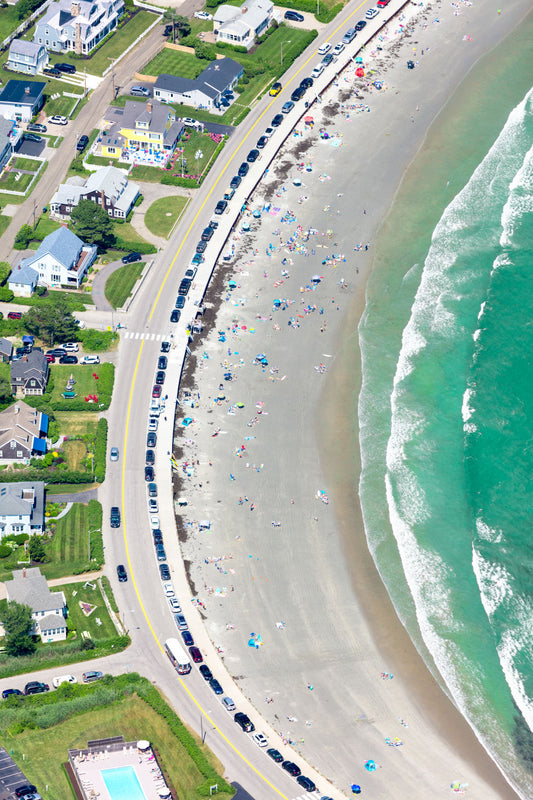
(184,168)
(79,386)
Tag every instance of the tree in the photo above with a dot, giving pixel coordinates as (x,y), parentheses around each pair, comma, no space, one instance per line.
(36,548)
(92,224)
(6,295)
(180,24)
(23,237)
(204,50)
(52,321)
(5,389)
(18,624)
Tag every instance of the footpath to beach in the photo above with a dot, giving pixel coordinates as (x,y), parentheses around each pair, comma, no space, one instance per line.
(297,610)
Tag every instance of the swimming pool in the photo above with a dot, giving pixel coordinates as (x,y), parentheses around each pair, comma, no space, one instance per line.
(123,784)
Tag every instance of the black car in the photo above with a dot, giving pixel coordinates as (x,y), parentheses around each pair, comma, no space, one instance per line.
(70,68)
(31,137)
(235,182)
(151,439)
(244,721)
(149,474)
(165,347)
(252,156)
(25,789)
(360,25)
(122,574)
(10,692)
(36,127)
(157,536)
(215,686)
(150,458)
(114,519)
(293,16)
(213,224)
(152,489)
(261,142)
(297,94)
(162,362)
(275,755)
(68,360)
(205,672)
(187,638)
(175,315)
(130,258)
(306,783)
(200,247)
(207,233)
(328,58)
(164,572)
(276,122)
(160,377)
(306,83)
(52,71)
(180,301)
(83,141)
(292,768)
(243,169)
(184,287)
(36,687)
(221,207)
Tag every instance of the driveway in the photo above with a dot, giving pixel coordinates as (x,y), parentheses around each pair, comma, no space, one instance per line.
(98,290)
(75,497)
(28,148)
(215,127)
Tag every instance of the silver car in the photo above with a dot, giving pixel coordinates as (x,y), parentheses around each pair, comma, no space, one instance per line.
(113,455)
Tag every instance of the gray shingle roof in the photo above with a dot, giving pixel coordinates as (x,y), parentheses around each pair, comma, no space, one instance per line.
(24,274)
(6,348)
(25,92)
(30,587)
(20,47)
(215,78)
(21,423)
(51,621)
(32,365)
(14,503)
(62,244)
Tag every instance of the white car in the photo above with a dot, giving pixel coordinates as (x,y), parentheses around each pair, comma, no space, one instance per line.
(371,13)
(152,505)
(268,132)
(324,48)
(90,360)
(71,347)
(154,522)
(57,119)
(153,422)
(203,15)
(63,679)
(174,604)
(168,589)
(337,50)
(259,739)
(318,70)
(189,121)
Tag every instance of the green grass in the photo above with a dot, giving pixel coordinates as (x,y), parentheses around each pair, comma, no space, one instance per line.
(69,547)
(9,183)
(45,752)
(9,21)
(29,164)
(163,213)
(69,488)
(4,222)
(119,285)
(126,231)
(77,301)
(74,593)
(175,62)
(75,423)
(60,105)
(85,383)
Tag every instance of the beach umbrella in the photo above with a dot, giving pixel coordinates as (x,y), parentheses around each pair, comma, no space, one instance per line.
(187,421)
(256,213)
(232,284)
(358,60)
(297,182)
(143,744)
(316,278)
(378,84)
(370,765)
(308,120)
(360,72)
(240,405)
(356,789)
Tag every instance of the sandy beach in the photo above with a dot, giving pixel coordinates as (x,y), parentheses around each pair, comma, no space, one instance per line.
(268,457)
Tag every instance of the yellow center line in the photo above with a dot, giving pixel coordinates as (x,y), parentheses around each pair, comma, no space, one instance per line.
(128,416)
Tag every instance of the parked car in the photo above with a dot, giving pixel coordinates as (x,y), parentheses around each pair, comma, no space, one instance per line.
(58,119)
(157,536)
(235,181)
(201,246)
(382,3)
(228,704)
(187,638)
(36,127)
(153,423)
(203,15)
(328,58)
(339,47)
(306,83)
(189,122)
(90,360)
(292,768)
(243,169)
(160,377)
(36,687)
(175,315)
(293,16)
(122,574)
(215,686)
(306,783)
(160,553)
(221,207)
(82,143)
(68,359)
(114,517)
(71,347)
(154,522)
(297,94)
(371,13)
(156,391)
(130,258)
(181,622)
(49,358)
(150,459)
(268,132)
(184,287)
(164,572)
(287,107)
(174,604)
(318,70)
(190,274)
(31,137)
(360,25)
(149,474)
(275,755)
(14,315)
(56,682)
(252,156)
(180,302)
(276,122)
(196,655)
(10,692)
(142,91)
(261,142)
(92,675)
(198,258)
(275,89)
(349,36)
(26,790)
(259,739)
(52,72)
(162,362)
(205,672)
(244,721)
(324,48)
(57,351)
(70,68)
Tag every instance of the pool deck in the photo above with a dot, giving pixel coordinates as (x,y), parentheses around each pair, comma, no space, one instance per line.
(89,764)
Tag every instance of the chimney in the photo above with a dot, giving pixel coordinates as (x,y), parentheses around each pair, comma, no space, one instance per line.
(149,107)
(26,90)
(24,357)
(75,8)
(102,197)
(17,410)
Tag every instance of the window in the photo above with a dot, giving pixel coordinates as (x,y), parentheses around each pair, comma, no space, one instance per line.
(13,445)
(56,278)
(111,150)
(19,453)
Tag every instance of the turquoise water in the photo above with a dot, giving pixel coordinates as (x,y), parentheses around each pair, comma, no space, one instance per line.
(122,784)
(446,406)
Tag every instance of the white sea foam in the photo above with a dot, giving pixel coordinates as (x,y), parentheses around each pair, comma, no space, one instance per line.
(487,533)
(513,644)
(493,581)
(520,201)
(481,310)
(467,410)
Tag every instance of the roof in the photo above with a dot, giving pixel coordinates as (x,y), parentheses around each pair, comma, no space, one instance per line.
(111,180)
(32,365)
(62,244)
(6,348)
(252,13)
(30,587)
(50,621)
(6,130)
(20,422)
(215,78)
(23,498)
(158,118)
(19,47)
(24,274)
(22,92)
(59,15)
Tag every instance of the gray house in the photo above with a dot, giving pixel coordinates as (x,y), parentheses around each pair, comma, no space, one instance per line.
(20,100)
(29,375)
(6,350)
(22,432)
(108,186)
(29,57)
(21,507)
(205,91)
(23,280)
(49,609)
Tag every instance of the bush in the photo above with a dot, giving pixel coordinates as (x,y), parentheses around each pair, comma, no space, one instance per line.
(23,237)
(139,200)
(140,247)
(100,450)
(6,295)
(97,341)
(5,270)
(5,550)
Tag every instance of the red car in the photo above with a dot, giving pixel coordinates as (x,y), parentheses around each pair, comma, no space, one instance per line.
(14,315)
(196,655)
(50,358)
(156,390)
(382,3)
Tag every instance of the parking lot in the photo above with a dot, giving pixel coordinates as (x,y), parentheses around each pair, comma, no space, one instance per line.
(10,776)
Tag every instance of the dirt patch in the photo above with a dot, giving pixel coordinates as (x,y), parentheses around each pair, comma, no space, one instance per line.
(75,453)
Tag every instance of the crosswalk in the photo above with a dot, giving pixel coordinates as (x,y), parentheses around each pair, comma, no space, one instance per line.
(147,337)
(304,796)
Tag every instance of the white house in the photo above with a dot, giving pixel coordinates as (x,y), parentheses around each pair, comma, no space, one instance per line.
(205,91)
(29,57)
(49,609)
(20,100)
(77,25)
(240,25)
(21,507)
(107,186)
(23,280)
(61,260)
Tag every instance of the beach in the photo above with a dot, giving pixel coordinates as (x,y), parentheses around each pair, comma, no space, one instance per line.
(268,462)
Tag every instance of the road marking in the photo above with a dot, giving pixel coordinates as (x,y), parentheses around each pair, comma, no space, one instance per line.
(128,417)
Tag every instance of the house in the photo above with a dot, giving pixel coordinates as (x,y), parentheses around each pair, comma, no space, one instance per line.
(29,57)
(108,186)
(10,136)
(62,259)
(21,507)
(140,129)
(240,26)
(22,432)
(20,100)
(23,280)
(29,374)
(6,350)
(205,91)
(49,609)
(77,25)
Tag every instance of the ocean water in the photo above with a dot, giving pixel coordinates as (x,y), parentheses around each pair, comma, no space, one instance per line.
(446,406)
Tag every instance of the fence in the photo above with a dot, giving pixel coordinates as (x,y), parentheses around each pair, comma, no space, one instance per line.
(132,45)
(25,24)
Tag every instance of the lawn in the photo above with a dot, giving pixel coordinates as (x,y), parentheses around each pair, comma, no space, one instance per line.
(191,143)
(161,217)
(4,222)
(75,423)
(11,182)
(29,164)
(68,548)
(60,105)
(42,753)
(175,62)
(69,488)
(127,232)
(119,285)
(9,21)
(75,593)
(76,301)
(86,384)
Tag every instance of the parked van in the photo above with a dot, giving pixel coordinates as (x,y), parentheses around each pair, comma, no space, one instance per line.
(92,675)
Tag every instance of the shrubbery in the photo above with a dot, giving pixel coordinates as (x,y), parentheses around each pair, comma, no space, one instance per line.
(139,247)
(5,550)
(100,451)
(97,341)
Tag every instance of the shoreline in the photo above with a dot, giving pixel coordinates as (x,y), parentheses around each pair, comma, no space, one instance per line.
(371,598)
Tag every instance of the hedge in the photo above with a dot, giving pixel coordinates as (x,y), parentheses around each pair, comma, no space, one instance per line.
(59,655)
(100,450)
(94,519)
(140,247)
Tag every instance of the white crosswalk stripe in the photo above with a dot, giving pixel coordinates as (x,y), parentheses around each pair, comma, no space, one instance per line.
(149,337)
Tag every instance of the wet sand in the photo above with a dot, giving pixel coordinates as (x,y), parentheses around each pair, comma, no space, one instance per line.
(285,557)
